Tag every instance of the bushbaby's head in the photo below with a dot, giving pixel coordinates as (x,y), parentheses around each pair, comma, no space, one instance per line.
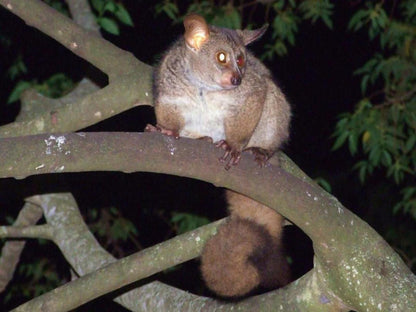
(217,56)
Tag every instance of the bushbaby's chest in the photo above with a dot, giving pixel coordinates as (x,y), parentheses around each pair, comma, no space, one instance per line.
(204,116)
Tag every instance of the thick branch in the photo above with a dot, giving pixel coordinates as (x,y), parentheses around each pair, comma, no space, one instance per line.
(351,257)
(130,79)
(126,92)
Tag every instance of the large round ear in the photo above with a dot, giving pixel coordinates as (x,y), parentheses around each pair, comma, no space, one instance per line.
(196,31)
(249,36)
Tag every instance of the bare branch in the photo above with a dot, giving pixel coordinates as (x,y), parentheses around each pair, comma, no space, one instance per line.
(72,236)
(126,92)
(11,251)
(35,231)
(130,80)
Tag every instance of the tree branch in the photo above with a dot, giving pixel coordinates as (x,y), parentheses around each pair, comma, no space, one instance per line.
(351,257)
(102,54)
(76,242)
(126,92)
(35,231)
(82,15)
(11,251)
(130,79)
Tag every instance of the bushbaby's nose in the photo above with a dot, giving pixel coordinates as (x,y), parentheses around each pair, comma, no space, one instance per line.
(236,80)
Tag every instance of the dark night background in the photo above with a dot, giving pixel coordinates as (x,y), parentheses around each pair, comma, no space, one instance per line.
(316,75)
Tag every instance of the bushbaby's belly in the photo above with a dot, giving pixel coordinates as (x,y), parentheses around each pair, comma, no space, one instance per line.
(202,122)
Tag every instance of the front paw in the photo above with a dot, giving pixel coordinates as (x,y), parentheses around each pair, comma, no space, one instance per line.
(157,128)
(261,156)
(231,156)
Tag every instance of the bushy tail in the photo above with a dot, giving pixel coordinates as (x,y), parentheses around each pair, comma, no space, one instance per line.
(242,256)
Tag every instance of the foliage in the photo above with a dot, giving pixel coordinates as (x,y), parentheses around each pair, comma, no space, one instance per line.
(184,222)
(36,276)
(284,16)
(55,86)
(381,132)
(113,230)
(382,129)
(109,13)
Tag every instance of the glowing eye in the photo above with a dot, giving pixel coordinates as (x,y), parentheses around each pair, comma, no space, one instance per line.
(240,61)
(222,57)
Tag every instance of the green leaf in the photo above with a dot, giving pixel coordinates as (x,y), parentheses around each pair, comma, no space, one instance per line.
(123,15)
(17,68)
(109,25)
(386,158)
(340,140)
(279,48)
(18,89)
(314,10)
(98,5)
(55,86)
(109,6)
(292,3)
(114,211)
(279,5)
(353,143)
(186,221)
(408,193)
(235,19)
(324,184)
(374,155)
(358,19)
(363,167)
(170,9)
(410,143)
(327,21)
(364,83)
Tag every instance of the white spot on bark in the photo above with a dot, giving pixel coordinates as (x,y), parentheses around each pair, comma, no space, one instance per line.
(54,143)
(39,125)
(51,211)
(172,148)
(40,167)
